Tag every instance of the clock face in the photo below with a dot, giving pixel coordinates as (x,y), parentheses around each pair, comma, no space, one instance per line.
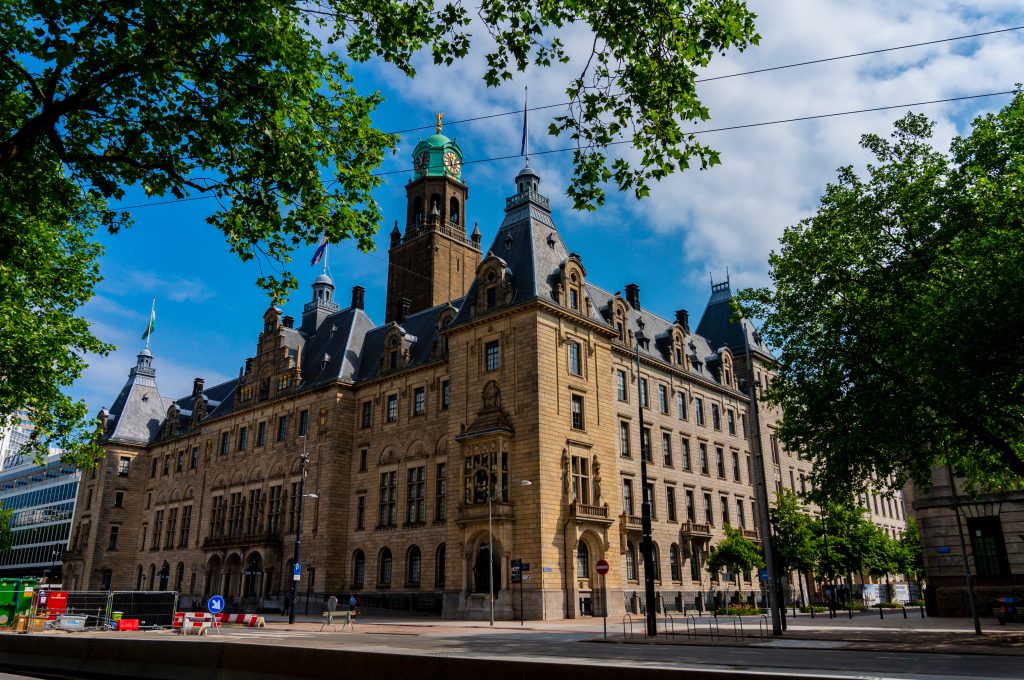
(452,163)
(421,163)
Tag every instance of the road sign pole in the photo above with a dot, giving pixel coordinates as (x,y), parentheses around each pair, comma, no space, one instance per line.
(522,612)
(604,605)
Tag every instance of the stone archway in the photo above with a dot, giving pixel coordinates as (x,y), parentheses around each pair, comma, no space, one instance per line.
(213,577)
(252,576)
(232,578)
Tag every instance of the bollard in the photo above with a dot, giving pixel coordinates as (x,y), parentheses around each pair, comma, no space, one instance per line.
(881,614)
(922,610)
(904,611)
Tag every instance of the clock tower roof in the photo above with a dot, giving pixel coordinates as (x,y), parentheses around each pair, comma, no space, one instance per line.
(437,156)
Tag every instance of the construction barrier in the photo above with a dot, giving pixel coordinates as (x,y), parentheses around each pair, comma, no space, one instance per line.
(248,620)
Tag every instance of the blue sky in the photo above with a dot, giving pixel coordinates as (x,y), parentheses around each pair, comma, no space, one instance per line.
(694,224)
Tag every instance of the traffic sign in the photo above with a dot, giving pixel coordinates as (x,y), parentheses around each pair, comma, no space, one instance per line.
(601,567)
(763,573)
(296,571)
(215,605)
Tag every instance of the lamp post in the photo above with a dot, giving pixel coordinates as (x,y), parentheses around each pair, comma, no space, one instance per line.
(304,458)
(647,544)
(490,539)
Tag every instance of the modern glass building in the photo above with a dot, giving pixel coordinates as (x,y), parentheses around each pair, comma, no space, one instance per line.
(43,500)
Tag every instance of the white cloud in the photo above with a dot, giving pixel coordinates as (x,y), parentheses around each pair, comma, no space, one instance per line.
(172,287)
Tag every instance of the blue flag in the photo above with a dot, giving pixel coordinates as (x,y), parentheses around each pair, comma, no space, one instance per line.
(320,250)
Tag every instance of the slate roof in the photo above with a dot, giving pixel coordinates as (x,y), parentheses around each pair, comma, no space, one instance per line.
(717,326)
(139,410)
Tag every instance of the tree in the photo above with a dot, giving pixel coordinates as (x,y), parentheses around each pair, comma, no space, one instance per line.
(883,559)
(736,552)
(909,559)
(253,103)
(6,515)
(794,540)
(846,540)
(897,314)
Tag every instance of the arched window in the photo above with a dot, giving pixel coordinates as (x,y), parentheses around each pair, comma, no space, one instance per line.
(358,568)
(384,567)
(415,566)
(453,210)
(417,210)
(673,562)
(152,577)
(582,561)
(138,578)
(631,562)
(106,577)
(439,566)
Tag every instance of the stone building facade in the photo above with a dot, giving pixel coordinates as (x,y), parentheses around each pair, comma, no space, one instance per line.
(496,410)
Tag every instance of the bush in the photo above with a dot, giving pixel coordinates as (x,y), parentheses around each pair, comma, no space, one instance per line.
(739,610)
(889,605)
(807,610)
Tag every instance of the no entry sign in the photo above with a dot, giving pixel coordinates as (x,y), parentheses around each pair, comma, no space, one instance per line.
(601,567)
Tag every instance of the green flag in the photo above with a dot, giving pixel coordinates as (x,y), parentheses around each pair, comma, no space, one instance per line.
(151,326)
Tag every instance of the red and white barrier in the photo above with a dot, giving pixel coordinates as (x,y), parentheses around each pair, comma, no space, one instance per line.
(248,620)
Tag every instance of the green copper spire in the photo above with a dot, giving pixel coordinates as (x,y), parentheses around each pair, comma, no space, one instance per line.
(437,156)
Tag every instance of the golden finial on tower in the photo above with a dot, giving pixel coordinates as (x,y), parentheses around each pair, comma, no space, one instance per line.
(439,117)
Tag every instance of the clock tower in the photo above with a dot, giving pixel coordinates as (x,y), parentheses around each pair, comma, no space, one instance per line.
(434,261)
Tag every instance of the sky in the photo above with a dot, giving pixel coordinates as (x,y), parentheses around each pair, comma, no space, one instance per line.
(694,226)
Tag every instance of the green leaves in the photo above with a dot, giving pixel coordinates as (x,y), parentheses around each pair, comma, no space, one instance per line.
(734,551)
(897,315)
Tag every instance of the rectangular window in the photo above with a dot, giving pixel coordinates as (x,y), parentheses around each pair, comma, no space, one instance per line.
(691,511)
(716,417)
(620,385)
(698,410)
(492,354)
(167,464)
(627,496)
(741,517)
(367,417)
(122,466)
(362,459)
(415,500)
(581,479)
(724,504)
(236,506)
(275,509)
(775,449)
(243,436)
(158,527)
(703,449)
(446,394)
(670,502)
(685,452)
(681,405)
(695,569)
(649,491)
(574,298)
(186,526)
(645,444)
(577,412)
(152,469)
(644,403)
(441,492)
(666,448)
(392,408)
(224,439)
(254,519)
(172,526)
(216,518)
(709,512)
(360,512)
(988,547)
(419,401)
(261,433)
(303,423)
(112,542)
(119,499)
(387,509)
(663,398)
(730,419)
(575,364)
(282,428)
(736,466)
(720,461)
(624,438)
(194,462)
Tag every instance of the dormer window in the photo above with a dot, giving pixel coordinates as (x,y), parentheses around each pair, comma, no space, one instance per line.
(574,299)
(492,297)
(393,359)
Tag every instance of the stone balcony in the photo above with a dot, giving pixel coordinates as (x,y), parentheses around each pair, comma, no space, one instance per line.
(695,530)
(590,513)
(477,512)
(752,534)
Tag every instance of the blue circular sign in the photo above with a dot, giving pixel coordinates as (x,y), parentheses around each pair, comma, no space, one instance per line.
(215,604)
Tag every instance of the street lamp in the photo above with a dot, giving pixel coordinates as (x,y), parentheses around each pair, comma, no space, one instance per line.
(304,458)
(647,543)
(490,540)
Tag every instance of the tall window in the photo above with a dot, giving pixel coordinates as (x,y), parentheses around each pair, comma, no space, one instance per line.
(439,566)
(709,512)
(575,363)
(656,561)
(172,525)
(724,504)
(224,442)
(698,410)
(415,508)
(243,436)
(275,509)
(627,496)
(186,526)
(736,466)
(730,419)
(741,517)
(988,547)
(261,433)
(582,560)
(303,422)
(670,502)
(419,401)
(367,416)
(194,463)
(581,479)
(216,518)
(716,417)
(624,438)
(703,449)
(158,527)
(720,461)
(691,511)
(630,562)
(649,492)
(643,393)
(360,512)
(446,394)
(577,411)
(392,408)
(236,504)
(663,398)
(254,520)
(414,573)
(492,355)
(673,562)
(122,466)
(282,428)
(620,385)
(384,570)
(685,448)
(666,447)
(681,405)
(358,568)
(645,443)
(387,512)
(440,492)
(112,542)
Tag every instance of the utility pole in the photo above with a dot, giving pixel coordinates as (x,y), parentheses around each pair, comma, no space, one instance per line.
(646,545)
(298,534)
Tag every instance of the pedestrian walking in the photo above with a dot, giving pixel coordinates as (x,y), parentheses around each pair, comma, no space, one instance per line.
(332,604)
(352,604)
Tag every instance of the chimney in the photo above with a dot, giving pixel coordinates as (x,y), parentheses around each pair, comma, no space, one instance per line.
(357,297)
(404,305)
(288,321)
(197,387)
(683,319)
(633,295)
(248,364)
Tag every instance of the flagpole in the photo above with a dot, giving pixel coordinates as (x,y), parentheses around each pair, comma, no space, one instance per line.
(526,122)
(327,254)
(152,313)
